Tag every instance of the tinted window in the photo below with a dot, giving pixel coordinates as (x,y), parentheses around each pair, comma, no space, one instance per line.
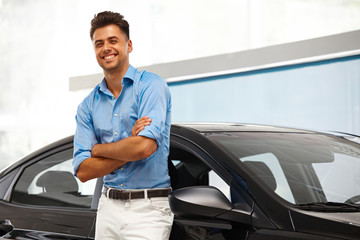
(50,182)
(279,183)
(334,174)
(299,167)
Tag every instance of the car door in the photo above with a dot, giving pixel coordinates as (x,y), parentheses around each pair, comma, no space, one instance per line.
(46,201)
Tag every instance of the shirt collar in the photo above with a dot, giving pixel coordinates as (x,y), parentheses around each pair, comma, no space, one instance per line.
(129,76)
(103,86)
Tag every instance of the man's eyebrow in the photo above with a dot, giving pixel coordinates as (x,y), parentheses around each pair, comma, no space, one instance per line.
(109,38)
(112,37)
(98,41)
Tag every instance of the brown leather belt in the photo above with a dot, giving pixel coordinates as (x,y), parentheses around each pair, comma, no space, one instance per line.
(121,194)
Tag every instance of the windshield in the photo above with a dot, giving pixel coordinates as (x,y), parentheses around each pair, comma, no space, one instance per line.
(301,168)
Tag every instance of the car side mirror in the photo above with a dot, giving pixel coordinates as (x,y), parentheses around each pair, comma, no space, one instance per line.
(205,203)
(5,227)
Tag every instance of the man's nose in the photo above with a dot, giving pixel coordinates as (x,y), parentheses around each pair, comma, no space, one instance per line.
(107,46)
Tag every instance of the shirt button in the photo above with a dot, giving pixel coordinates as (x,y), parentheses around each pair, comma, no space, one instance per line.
(122,169)
(113,98)
(116,133)
(115,115)
(121,185)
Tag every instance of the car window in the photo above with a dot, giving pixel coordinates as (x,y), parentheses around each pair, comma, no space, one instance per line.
(339,181)
(51,182)
(216,181)
(281,186)
(300,167)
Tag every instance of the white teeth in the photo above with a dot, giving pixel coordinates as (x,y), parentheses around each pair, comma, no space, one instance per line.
(108,57)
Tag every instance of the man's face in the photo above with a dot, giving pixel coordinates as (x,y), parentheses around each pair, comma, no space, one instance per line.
(112,48)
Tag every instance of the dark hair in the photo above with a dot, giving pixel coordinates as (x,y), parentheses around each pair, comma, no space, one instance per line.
(105,18)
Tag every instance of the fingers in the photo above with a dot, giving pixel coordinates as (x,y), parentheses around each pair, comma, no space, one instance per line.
(139,130)
(143,121)
(140,125)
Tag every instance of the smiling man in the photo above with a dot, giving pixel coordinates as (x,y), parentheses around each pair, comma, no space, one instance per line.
(122,134)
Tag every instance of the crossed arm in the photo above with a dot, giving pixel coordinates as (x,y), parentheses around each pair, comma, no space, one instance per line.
(106,158)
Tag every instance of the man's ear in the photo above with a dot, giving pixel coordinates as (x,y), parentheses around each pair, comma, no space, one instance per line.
(130,46)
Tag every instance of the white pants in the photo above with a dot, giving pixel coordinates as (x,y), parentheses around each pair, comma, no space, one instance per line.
(133,219)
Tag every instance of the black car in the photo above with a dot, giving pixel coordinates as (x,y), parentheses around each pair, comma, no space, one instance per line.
(230,181)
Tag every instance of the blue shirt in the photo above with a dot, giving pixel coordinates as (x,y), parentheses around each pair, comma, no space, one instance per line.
(102,118)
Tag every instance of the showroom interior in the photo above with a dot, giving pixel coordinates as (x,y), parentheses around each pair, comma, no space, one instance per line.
(276,62)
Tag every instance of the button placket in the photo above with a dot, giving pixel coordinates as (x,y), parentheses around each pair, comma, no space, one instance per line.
(116,117)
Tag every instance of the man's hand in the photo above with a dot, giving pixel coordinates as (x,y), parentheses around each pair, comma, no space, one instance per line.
(140,125)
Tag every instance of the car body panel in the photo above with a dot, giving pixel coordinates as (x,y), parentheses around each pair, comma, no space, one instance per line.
(70,222)
(327,224)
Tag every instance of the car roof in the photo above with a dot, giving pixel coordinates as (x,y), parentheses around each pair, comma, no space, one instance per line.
(236,127)
(213,127)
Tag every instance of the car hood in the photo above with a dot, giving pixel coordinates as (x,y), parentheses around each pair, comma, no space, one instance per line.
(345,225)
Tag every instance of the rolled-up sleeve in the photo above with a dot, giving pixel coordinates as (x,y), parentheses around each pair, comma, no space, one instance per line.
(85,137)
(154,100)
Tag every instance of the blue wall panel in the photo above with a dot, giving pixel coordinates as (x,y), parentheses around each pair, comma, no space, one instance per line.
(321,95)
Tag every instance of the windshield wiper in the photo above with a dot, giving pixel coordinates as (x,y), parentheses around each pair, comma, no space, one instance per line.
(329,207)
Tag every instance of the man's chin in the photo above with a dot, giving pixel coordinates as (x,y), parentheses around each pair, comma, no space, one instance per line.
(110,67)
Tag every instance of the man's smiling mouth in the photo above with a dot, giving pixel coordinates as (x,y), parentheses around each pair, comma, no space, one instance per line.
(107,57)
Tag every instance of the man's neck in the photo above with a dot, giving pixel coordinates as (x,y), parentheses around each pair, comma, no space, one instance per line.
(114,80)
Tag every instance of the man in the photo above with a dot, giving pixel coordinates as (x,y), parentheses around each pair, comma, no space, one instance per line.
(122,133)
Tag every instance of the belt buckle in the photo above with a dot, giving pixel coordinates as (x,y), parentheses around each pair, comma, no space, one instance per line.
(108,193)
